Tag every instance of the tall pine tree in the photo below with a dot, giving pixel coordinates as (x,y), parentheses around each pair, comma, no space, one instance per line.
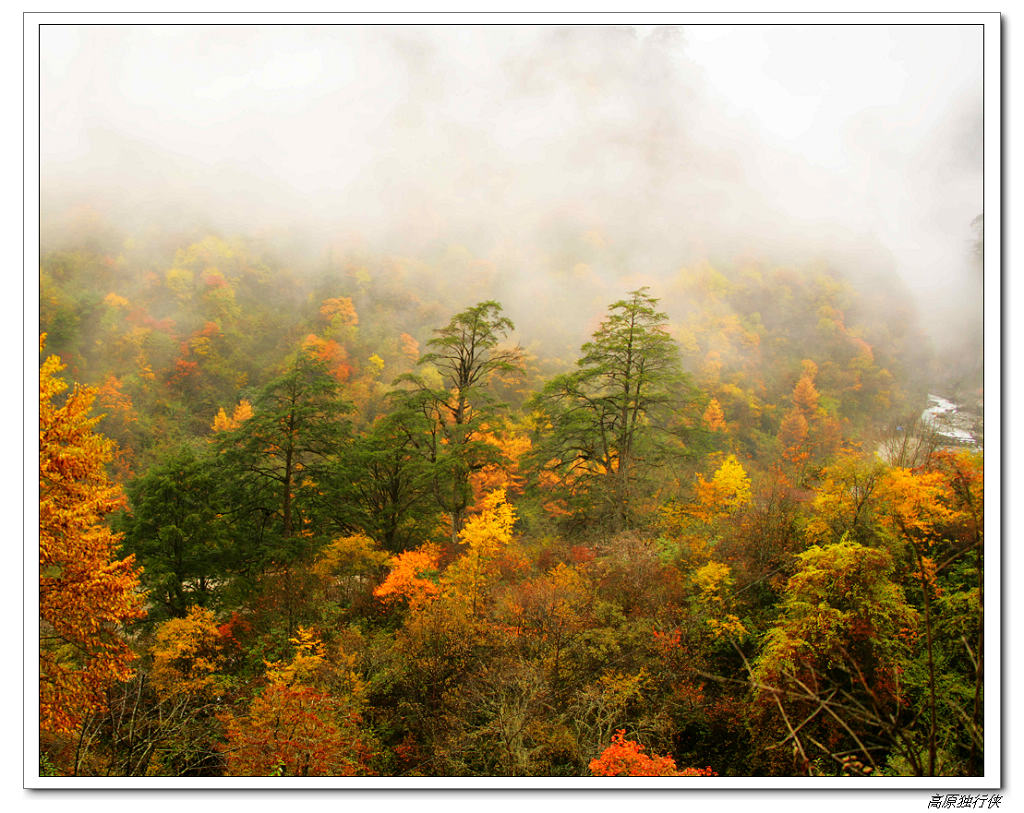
(612,419)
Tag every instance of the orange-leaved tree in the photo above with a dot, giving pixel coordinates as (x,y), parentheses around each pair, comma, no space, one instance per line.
(916,510)
(304,723)
(713,418)
(339,311)
(506,473)
(409,579)
(85,592)
(626,758)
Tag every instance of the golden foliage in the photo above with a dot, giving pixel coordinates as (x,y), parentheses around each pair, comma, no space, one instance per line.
(712,579)
(115,301)
(728,490)
(85,593)
(504,476)
(306,661)
(714,418)
(915,504)
(487,537)
(793,436)
(186,655)
(339,311)
(222,423)
(349,556)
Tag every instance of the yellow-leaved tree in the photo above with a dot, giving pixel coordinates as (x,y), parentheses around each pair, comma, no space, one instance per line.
(487,537)
(187,657)
(242,413)
(305,722)
(85,592)
(726,491)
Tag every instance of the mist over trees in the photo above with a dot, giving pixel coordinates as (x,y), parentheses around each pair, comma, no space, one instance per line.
(536,420)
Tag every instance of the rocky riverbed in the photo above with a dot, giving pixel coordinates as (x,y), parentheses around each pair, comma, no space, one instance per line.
(953,422)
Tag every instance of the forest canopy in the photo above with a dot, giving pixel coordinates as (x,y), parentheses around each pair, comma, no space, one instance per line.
(342,528)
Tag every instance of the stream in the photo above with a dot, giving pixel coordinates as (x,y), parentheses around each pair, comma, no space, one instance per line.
(952,422)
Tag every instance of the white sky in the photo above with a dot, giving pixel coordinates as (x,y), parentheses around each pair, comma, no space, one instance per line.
(757,139)
(877,107)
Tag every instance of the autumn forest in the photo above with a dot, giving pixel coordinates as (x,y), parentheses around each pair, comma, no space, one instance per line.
(316,523)
(563,401)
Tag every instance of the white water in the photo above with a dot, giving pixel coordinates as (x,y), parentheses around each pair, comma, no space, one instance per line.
(947,419)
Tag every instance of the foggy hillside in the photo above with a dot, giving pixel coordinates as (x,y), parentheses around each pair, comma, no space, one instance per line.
(858,147)
(522,401)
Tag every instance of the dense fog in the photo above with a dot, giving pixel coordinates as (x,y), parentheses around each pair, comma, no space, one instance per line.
(854,146)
